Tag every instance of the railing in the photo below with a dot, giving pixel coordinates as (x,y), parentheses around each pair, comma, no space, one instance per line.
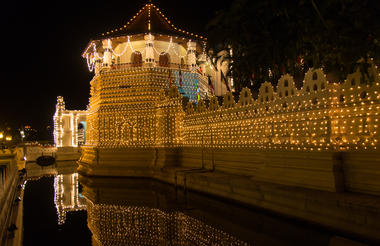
(156,64)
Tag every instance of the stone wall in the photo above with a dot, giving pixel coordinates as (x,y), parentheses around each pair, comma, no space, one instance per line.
(9,180)
(322,136)
(318,117)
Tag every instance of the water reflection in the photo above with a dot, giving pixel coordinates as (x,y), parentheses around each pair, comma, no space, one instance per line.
(66,195)
(147,212)
(142,212)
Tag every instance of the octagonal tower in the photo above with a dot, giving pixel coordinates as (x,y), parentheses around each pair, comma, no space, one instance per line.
(142,72)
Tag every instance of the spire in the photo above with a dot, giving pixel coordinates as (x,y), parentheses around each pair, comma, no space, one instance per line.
(60,106)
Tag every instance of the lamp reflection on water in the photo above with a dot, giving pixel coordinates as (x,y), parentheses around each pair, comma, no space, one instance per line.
(66,195)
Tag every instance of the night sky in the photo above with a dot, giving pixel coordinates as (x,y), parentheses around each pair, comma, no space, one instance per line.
(42,43)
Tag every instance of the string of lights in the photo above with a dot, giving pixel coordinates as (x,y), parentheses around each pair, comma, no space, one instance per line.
(128,44)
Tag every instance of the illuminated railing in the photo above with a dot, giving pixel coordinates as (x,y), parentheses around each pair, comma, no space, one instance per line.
(318,117)
(156,64)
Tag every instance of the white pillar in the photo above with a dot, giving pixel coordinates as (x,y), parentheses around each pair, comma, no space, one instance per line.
(107,59)
(149,57)
(58,122)
(98,63)
(191,57)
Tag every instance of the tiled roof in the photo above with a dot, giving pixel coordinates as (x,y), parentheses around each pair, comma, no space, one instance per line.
(150,20)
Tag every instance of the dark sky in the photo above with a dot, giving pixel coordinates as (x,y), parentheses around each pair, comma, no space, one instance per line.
(42,42)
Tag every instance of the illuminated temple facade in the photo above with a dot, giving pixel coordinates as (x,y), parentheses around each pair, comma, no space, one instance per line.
(138,69)
(69,126)
(152,106)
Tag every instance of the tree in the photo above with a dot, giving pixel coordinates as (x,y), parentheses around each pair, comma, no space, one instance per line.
(273,37)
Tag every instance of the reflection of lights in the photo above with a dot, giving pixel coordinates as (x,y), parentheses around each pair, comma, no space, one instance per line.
(66,196)
(8,138)
(128,225)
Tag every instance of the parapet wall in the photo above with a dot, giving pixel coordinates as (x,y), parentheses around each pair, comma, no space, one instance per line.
(318,117)
(322,136)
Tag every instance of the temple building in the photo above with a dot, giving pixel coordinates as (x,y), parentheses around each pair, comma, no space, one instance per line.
(69,126)
(137,67)
(153,113)
(150,40)
(147,117)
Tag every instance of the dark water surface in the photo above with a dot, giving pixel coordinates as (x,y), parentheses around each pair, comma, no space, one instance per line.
(146,212)
(41,219)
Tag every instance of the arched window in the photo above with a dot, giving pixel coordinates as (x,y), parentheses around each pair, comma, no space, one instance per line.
(315,76)
(136,59)
(164,59)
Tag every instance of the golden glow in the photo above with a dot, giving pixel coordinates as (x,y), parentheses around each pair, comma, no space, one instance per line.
(318,117)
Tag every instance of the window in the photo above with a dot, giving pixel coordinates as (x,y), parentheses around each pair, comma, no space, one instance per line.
(315,76)
(136,59)
(164,60)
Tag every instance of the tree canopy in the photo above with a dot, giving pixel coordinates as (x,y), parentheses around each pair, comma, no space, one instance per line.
(269,38)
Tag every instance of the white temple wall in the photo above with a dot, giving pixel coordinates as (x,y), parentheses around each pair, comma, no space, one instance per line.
(67,131)
(66,125)
(160,46)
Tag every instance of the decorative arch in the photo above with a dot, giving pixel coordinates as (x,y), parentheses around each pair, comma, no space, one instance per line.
(315,81)
(214,104)
(201,107)
(228,100)
(266,93)
(245,97)
(286,87)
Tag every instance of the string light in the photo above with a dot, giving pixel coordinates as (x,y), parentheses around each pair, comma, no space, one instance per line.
(128,44)
(64,185)
(90,63)
(133,107)
(130,225)
(314,118)
(65,124)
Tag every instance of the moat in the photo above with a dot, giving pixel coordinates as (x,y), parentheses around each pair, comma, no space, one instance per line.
(112,211)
